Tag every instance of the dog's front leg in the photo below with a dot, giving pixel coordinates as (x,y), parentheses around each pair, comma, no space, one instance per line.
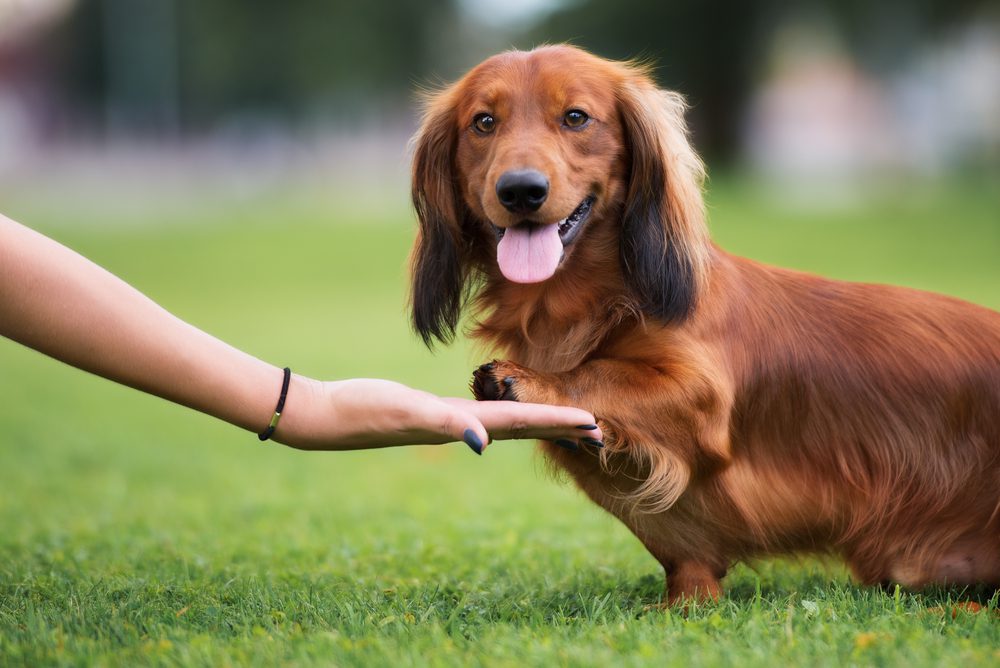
(664,432)
(641,408)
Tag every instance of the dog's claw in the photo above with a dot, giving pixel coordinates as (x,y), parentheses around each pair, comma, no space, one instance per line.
(484,385)
(506,393)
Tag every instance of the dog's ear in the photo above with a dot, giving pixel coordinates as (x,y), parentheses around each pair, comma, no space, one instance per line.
(437,266)
(664,241)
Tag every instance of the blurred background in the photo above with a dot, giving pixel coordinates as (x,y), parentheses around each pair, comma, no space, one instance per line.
(231,97)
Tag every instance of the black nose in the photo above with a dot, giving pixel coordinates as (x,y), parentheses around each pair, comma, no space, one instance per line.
(523,190)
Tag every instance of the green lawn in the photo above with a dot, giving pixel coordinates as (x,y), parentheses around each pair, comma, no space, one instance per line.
(132,531)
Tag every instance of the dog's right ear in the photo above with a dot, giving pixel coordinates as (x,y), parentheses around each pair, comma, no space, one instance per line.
(437,263)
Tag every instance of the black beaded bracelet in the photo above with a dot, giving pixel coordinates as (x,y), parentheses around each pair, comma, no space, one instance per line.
(266,434)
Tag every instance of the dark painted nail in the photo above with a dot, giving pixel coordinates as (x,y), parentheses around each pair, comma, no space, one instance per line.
(486,367)
(508,381)
(473,441)
(566,443)
(587,427)
(593,441)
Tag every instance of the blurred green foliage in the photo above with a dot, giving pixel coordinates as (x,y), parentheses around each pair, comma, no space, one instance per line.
(312,59)
(289,60)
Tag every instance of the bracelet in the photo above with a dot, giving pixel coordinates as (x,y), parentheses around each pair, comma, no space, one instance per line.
(266,434)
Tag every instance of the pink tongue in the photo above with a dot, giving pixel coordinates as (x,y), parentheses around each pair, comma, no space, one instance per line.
(529,253)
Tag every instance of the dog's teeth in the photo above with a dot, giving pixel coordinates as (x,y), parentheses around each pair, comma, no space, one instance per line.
(566,225)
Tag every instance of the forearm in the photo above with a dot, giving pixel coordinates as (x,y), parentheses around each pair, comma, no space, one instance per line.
(58,302)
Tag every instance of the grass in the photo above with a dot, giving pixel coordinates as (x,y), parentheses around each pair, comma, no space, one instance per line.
(135,532)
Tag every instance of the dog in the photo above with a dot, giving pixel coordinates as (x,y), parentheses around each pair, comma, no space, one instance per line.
(748,410)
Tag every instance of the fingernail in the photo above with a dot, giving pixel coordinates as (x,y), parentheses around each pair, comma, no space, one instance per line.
(473,441)
(587,427)
(508,381)
(566,443)
(486,367)
(593,441)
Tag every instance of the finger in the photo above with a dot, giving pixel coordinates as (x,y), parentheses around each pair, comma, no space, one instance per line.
(507,419)
(454,424)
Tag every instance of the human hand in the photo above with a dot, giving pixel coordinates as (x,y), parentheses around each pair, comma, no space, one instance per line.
(364,413)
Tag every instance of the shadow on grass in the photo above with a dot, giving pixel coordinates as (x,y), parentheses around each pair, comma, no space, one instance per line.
(825,577)
(984,595)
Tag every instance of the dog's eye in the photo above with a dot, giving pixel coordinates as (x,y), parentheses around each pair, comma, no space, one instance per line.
(575,118)
(484,123)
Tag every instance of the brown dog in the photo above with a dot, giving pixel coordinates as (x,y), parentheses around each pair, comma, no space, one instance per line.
(749,410)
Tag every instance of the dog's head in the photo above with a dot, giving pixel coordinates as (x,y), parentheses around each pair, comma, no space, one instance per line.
(535,161)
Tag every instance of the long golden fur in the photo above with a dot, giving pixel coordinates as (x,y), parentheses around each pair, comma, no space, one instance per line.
(748,410)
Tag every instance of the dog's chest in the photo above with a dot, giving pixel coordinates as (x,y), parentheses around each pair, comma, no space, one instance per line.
(555,347)
(548,360)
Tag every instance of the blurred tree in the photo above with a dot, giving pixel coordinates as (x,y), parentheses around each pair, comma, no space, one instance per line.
(292,60)
(304,57)
(152,65)
(702,50)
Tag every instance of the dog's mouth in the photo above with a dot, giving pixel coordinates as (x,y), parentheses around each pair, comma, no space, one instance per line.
(569,227)
(531,252)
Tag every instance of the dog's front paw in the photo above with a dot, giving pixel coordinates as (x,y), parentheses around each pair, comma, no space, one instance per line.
(494,381)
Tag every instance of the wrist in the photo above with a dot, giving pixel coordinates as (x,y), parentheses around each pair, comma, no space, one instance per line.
(286,377)
(298,427)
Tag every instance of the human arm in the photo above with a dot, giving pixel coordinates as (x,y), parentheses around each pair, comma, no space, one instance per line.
(59,303)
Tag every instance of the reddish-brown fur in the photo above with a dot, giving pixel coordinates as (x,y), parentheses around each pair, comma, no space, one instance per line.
(748,410)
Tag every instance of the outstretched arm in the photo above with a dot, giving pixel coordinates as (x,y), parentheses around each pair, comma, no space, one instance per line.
(59,303)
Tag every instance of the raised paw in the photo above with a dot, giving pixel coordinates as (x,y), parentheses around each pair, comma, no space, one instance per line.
(490,383)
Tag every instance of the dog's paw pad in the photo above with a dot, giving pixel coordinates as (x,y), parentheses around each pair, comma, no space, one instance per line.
(486,386)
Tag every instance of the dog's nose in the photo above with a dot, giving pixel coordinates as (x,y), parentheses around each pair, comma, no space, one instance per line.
(523,190)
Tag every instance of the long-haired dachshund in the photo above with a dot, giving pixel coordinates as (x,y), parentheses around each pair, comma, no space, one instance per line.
(748,410)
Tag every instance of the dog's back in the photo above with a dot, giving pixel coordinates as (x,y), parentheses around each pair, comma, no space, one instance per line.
(882,405)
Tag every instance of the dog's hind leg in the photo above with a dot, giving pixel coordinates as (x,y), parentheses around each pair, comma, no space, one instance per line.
(680,421)
(692,581)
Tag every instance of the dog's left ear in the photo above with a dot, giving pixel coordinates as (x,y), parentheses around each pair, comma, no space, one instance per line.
(664,240)
(438,267)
